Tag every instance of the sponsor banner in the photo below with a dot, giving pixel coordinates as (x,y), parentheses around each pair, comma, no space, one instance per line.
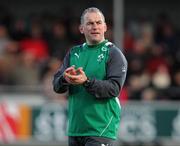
(139,123)
(47,123)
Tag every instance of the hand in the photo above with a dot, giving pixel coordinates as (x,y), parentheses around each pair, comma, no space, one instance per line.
(77,78)
(70,70)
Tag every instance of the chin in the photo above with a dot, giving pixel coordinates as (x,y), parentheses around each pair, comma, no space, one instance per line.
(96,41)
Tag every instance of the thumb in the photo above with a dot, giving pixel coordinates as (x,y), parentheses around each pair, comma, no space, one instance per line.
(80,70)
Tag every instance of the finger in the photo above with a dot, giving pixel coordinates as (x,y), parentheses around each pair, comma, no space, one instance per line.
(71,76)
(67,74)
(67,79)
(80,70)
(73,72)
(70,68)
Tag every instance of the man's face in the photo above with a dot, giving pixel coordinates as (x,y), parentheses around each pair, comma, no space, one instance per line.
(93,27)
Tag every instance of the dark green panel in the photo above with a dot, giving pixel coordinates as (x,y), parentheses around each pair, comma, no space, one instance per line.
(164,119)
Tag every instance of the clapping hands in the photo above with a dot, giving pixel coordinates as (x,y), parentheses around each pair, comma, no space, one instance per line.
(75,76)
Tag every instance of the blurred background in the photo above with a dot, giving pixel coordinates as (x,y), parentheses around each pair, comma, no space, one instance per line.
(35,36)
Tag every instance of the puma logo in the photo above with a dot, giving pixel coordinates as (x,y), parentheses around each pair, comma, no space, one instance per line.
(76,55)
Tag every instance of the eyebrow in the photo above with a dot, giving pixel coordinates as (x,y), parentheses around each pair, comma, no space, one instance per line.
(94,21)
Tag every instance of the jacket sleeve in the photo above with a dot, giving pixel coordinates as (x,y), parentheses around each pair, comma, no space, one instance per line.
(115,76)
(59,83)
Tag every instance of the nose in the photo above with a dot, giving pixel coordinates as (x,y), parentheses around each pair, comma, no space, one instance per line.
(94,26)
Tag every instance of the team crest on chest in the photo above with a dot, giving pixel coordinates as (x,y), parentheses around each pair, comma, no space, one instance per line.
(100,57)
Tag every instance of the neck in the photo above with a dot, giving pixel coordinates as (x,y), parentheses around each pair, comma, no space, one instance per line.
(94,43)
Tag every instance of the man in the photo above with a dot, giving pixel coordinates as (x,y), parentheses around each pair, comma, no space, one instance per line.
(94,74)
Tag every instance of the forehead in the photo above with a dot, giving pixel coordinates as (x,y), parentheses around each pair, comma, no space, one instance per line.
(93,16)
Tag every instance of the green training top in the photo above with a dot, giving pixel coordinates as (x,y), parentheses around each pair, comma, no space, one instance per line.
(94,110)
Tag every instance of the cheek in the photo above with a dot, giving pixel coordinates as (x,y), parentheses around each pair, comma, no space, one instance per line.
(87,31)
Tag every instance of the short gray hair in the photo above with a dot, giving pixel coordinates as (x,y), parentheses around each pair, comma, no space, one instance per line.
(90,10)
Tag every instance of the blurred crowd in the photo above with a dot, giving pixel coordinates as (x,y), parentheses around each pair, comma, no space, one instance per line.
(33,48)
(153,53)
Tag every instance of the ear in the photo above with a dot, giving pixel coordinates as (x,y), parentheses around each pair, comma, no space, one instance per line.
(105,27)
(81,29)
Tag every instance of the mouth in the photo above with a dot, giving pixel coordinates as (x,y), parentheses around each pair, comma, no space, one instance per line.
(95,33)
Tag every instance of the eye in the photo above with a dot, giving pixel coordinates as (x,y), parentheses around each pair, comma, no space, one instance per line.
(99,22)
(89,23)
